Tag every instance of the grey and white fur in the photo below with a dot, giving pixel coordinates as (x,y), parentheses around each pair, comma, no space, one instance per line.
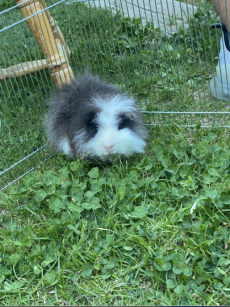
(94,119)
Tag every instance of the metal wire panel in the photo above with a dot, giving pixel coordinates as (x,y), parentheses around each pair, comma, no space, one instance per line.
(22,101)
(162,52)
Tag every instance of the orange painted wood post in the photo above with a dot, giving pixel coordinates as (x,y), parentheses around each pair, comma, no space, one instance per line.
(56,31)
(22,69)
(54,50)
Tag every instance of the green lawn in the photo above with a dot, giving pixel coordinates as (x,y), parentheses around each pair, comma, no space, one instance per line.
(152,230)
(122,234)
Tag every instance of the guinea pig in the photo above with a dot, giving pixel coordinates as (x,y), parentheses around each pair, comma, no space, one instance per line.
(93,119)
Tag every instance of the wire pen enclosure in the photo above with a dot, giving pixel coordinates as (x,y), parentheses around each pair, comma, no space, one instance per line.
(163,53)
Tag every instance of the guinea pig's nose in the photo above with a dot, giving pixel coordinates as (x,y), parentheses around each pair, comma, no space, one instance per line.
(108,147)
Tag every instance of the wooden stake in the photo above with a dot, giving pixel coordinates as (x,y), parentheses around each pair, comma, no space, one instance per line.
(54,50)
(23,69)
(56,31)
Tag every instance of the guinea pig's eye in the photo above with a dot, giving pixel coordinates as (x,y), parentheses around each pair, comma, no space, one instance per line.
(124,122)
(92,126)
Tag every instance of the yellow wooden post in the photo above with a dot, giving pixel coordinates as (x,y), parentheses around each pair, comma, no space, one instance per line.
(53,48)
(23,69)
(56,31)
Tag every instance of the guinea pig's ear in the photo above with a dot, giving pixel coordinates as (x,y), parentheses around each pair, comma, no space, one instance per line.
(126,120)
(130,115)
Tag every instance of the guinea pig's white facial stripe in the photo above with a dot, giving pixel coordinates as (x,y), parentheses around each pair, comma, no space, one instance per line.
(108,118)
(115,105)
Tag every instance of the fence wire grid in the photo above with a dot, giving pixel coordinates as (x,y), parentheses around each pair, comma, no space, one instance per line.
(162,52)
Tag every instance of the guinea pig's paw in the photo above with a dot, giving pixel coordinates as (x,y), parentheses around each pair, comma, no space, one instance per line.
(64,146)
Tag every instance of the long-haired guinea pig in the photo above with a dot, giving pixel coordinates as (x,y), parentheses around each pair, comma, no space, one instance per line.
(95,120)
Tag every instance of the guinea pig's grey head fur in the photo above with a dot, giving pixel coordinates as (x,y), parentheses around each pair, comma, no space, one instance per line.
(91,118)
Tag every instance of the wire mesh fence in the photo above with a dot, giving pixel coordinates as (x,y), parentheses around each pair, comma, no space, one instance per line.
(163,53)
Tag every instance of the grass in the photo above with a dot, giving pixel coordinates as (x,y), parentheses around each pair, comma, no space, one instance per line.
(122,234)
(152,230)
